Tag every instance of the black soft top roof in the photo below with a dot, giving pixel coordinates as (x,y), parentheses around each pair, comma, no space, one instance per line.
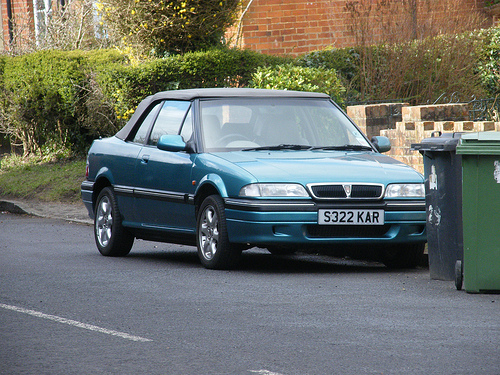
(191,94)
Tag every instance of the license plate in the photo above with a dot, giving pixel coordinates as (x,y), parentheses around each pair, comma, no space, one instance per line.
(350,217)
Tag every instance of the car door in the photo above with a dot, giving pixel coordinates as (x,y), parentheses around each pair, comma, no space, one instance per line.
(123,162)
(164,178)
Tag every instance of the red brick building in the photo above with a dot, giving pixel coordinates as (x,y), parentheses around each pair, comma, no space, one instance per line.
(24,20)
(17,18)
(294,27)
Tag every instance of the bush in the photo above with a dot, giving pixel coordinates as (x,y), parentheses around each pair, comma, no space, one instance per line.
(416,71)
(159,28)
(423,70)
(44,100)
(291,77)
(53,103)
(345,61)
(41,95)
(489,61)
(126,85)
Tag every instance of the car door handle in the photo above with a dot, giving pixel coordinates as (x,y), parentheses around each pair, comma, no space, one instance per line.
(145,159)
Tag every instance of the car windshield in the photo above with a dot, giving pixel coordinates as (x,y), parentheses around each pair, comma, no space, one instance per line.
(230,124)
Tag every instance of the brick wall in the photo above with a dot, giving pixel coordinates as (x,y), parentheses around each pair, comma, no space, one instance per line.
(295,27)
(374,118)
(23,24)
(416,124)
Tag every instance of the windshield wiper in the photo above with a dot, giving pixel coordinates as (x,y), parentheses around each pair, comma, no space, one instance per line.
(278,147)
(345,147)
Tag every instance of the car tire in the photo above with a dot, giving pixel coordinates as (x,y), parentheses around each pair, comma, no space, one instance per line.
(111,238)
(212,240)
(403,256)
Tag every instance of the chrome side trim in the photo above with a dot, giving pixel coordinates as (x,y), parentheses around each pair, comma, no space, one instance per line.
(269,205)
(158,194)
(154,194)
(123,190)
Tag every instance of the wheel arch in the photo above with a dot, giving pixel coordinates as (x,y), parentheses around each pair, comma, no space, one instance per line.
(99,184)
(205,190)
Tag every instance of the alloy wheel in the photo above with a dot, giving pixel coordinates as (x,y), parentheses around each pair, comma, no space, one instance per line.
(104,221)
(209,233)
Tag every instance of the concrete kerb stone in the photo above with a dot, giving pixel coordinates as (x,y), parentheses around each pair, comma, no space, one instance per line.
(53,210)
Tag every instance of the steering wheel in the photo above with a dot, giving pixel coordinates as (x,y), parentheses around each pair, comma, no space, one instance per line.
(231,138)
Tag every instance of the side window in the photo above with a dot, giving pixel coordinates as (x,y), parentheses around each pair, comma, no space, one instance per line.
(187,127)
(169,119)
(142,132)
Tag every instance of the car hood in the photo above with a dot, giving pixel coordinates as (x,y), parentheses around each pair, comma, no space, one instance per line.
(321,166)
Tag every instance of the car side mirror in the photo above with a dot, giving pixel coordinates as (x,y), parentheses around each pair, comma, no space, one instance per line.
(171,143)
(382,144)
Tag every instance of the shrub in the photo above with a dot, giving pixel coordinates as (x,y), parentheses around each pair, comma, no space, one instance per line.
(44,100)
(54,102)
(41,94)
(345,61)
(416,71)
(415,58)
(488,64)
(126,85)
(290,77)
(160,28)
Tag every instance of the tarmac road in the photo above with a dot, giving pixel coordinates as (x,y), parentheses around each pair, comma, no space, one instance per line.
(64,309)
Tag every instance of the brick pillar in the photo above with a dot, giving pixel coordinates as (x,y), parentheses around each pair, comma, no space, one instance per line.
(373,118)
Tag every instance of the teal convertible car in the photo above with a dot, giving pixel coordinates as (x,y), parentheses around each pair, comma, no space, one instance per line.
(228,169)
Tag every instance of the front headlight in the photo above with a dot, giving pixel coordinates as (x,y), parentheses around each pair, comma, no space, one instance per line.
(405,191)
(273,190)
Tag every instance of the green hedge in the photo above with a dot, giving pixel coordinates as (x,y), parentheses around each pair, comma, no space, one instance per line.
(127,85)
(290,77)
(54,103)
(417,71)
(44,99)
(489,61)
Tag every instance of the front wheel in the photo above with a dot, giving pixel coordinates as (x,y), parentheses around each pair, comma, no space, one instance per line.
(212,240)
(403,256)
(110,236)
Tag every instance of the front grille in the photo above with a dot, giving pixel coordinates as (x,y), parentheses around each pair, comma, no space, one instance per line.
(345,191)
(347,231)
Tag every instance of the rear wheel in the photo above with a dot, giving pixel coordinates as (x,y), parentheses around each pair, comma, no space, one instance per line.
(110,236)
(214,249)
(403,256)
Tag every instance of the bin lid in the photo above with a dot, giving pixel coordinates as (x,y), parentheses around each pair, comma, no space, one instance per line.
(443,142)
(480,143)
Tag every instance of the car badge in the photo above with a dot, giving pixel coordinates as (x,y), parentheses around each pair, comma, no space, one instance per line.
(347,189)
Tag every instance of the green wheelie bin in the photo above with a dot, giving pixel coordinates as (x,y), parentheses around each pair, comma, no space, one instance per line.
(480,269)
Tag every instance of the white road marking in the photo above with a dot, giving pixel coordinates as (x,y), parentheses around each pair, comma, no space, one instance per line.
(265,372)
(74,323)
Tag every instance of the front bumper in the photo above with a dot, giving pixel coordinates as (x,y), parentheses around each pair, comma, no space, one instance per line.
(272,222)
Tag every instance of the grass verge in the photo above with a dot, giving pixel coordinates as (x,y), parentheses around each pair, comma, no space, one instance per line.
(55,181)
